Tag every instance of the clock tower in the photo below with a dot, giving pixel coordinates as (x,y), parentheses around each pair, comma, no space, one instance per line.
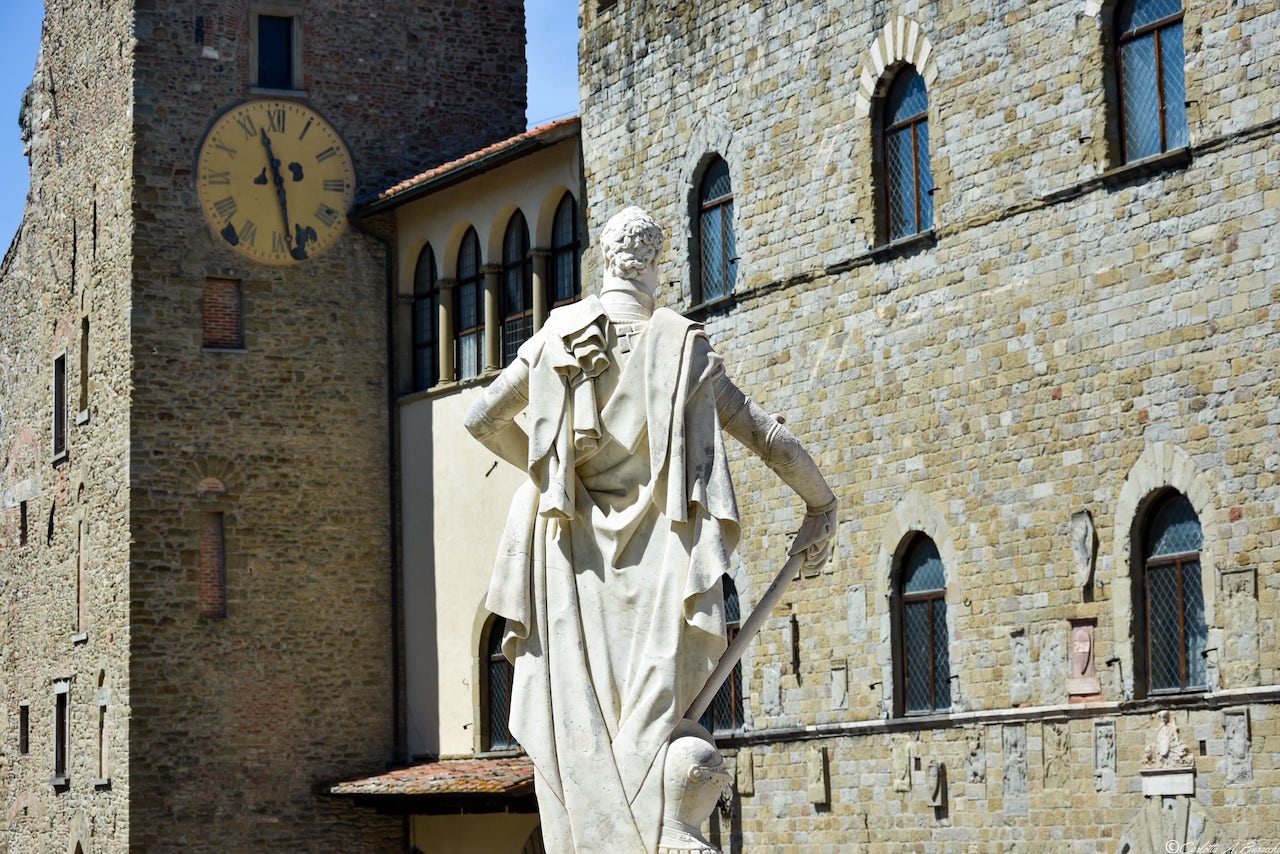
(196,445)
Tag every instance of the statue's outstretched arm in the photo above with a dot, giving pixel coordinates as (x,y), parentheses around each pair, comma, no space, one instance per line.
(491,419)
(768,439)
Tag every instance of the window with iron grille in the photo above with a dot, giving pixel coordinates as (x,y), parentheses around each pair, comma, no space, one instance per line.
(725,711)
(717,247)
(924,663)
(468,308)
(907,173)
(564,282)
(1175,628)
(1153,89)
(426,321)
(517,287)
(496,705)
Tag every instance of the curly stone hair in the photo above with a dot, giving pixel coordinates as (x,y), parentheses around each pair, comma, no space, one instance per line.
(631,240)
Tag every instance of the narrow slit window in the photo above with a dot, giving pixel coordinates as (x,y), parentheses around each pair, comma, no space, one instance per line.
(426,322)
(84,365)
(213,565)
(275,46)
(517,287)
(468,305)
(24,729)
(565,285)
(61,732)
(222,314)
(59,406)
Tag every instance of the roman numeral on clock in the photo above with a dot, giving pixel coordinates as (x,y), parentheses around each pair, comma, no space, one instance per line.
(327,215)
(334,185)
(275,120)
(219,178)
(247,125)
(225,207)
(326,154)
(249,233)
(277,244)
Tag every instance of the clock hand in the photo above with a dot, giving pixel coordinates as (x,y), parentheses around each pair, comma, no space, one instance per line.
(278,180)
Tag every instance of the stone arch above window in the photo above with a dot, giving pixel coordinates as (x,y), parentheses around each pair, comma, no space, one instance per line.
(901,41)
(916,515)
(1163,469)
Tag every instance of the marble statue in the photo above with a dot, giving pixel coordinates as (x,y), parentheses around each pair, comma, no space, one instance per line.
(609,568)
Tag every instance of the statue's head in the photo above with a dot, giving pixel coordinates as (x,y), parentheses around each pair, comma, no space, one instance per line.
(632,242)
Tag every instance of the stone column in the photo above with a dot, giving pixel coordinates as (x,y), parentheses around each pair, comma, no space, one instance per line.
(444,344)
(541,305)
(492,320)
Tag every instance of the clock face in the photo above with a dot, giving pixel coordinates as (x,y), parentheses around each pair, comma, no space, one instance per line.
(275,181)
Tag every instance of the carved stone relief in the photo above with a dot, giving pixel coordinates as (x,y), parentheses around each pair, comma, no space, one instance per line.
(1084,546)
(819,784)
(1239,747)
(745,772)
(1020,682)
(1104,756)
(856,605)
(900,764)
(1084,675)
(975,764)
(1053,666)
(1240,620)
(1014,743)
(1167,750)
(1169,824)
(771,690)
(937,784)
(1057,755)
(839,685)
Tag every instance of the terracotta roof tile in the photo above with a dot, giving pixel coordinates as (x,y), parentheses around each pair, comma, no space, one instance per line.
(548,132)
(498,776)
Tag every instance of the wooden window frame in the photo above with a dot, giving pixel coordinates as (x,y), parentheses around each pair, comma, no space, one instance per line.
(491,656)
(902,671)
(1154,29)
(560,250)
(460,284)
(431,340)
(705,207)
(911,124)
(277,9)
(515,263)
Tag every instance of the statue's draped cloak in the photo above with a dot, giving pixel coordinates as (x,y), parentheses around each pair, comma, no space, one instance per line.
(608,573)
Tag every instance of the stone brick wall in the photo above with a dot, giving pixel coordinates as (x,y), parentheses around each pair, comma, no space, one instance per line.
(1072,336)
(240,720)
(66,605)
(220,730)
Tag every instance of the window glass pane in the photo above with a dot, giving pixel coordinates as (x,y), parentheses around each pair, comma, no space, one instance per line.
(907,97)
(1162,628)
(713,256)
(732,609)
(730,247)
(941,657)
(715,183)
(424,275)
(500,679)
(565,280)
(468,309)
(924,176)
(922,567)
(915,648)
(1175,86)
(901,184)
(1197,633)
(469,256)
(1140,97)
(564,228)
(1175,529)
(275,52)
(1139,13)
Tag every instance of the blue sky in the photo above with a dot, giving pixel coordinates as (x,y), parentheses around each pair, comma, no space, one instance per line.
(553,83)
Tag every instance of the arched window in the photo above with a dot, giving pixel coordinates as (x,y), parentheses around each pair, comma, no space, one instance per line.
(725,712)
(496,701)
(1153,88)
(426,319)
(468,308)
(717,249)
(564,283)
(1173,597)
(517,287)
(924,662)
(908,176)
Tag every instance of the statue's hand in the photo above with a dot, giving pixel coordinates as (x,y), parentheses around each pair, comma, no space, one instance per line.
(817,535)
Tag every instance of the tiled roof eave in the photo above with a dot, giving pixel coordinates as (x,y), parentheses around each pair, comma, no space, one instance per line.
(468,166)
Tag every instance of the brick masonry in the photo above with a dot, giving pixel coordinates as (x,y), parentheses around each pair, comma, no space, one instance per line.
(1073,336)
(221,730)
